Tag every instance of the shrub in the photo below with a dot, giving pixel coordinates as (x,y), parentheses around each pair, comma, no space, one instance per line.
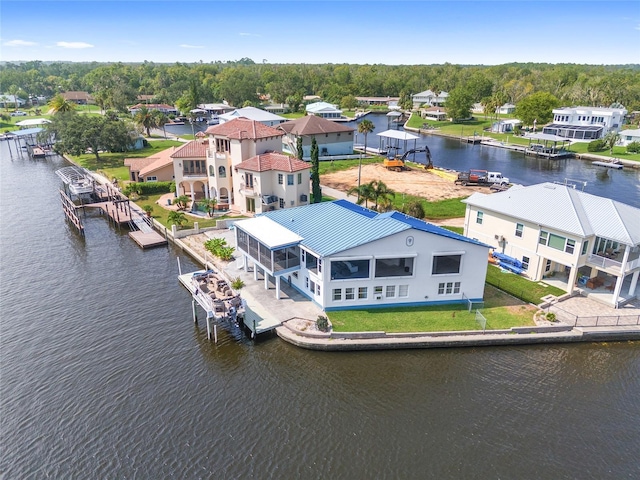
(177,218)
(551,317)
(219,248)
(633,147)
(237,283)
(596,146)
(322,323)
(149,188)
(148,209)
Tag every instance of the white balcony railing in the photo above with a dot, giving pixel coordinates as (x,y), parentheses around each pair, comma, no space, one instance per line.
(604,262)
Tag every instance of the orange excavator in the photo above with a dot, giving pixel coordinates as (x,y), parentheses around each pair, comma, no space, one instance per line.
(397,163)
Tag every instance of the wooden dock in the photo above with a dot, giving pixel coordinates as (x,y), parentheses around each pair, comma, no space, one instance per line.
(148,239)
(474,140)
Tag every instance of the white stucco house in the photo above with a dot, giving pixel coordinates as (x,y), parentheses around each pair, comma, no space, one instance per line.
(270,181)
(506,109)
(629,136)
(253,113)
(585,123)
(344,256)
(564,236)
(324,110)
(333,138)
(430,98)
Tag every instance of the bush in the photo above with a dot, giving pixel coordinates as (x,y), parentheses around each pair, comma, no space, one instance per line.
(237,283)
(596,146)
(149,188)
(219,248)
(633,147)
(322,323)
(551,317)
(181,202)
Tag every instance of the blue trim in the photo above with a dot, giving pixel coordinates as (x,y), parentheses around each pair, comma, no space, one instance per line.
(396,305)
(356,208)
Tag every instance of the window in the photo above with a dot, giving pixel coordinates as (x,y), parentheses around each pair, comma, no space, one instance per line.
(448,288)
(556,241)
(303,256)
(212,171)
(391,291)
(362,292)
(444,264)
(152,179)
(403,291)
(542,239)
(306,281)
(337,294)
(312,286)
(585,246)
(342,269)
(570,246)
(525,263)
(311,262)
(519,229)
(290,179)
(394,267)
(349,293)
(318,289)
(295,274)
(299,178)
(377,290)
(320,265)
(281,202)
(479,218)
(547,266)
(222,172)
(280,179)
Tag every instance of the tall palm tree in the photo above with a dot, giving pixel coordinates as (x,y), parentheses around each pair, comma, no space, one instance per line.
(144,119)
(380,193)
(160,119)
(364,193)
(610,140)
(60,104)
(365,127)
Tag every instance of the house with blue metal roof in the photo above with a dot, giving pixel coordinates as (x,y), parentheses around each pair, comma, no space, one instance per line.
(563,236)
(345,256)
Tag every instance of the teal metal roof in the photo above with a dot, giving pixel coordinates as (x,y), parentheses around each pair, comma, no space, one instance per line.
(330,227)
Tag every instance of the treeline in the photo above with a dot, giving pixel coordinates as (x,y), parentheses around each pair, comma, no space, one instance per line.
(116,85)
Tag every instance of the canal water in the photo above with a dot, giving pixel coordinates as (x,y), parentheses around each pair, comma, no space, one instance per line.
(103,375)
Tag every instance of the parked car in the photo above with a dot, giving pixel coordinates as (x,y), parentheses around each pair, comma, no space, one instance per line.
(18,113)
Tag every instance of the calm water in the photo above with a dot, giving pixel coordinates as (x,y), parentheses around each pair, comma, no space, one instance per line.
(103,375)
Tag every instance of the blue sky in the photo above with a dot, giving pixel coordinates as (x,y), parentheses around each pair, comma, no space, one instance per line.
(388,32)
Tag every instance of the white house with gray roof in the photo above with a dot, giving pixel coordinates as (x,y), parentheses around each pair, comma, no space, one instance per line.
(344,256)
(252,113)
(564,236)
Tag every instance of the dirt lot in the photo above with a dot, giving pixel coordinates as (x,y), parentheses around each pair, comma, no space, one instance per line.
(430,184)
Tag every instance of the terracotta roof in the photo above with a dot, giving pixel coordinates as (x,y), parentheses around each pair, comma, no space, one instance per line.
(148,164)
(193,149)
(313,125)
(137,164)
(152,106)
(241,128)
(273,161)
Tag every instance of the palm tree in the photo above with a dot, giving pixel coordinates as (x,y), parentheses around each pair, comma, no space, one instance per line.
(210,205)
(60,104)
(160,119)
(365,127)
(144,119)
(610,140)
(380,193)
(177,218)
(364,193)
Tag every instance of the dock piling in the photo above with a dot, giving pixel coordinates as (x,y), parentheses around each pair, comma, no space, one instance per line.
(193,310)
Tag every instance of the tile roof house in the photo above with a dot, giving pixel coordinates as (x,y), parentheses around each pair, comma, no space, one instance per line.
(269,181)
(157,168)
(80,98)
(334,139)
(563,236)
(343,256)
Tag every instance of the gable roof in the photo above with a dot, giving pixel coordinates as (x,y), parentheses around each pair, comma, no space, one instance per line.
(565,209)
(322,107)
(243,128)
(273,161)
(193,149)
(149,164)
(330,227)
(252,113)
(313,125)
(76,95)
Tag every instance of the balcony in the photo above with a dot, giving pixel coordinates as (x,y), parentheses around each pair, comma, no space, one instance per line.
(212,154)
(248,190)
(612,266)
(194,174)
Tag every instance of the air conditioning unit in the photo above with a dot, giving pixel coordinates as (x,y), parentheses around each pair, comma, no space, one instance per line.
(378,296)
(303,198)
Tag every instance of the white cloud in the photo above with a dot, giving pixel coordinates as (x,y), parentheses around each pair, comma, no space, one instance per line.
(186,45)
(245,34)
(74,45)
(19,43)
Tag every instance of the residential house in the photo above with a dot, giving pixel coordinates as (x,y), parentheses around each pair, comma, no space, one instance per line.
(156,168)
(332,138)
(215,109)
(378,101)
(77,97)
(343,256)
(505,126)
(433,113)
(429,98)
(585,123)
(162,107)
(255,114)
(506,109)
(562,235)
(629,136)
(11,101)
(270,181)
(324,110)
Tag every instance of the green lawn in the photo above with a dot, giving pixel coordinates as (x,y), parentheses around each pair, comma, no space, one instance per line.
(618,152)
(338,165)
(442,209)
(292,116)
(112,164)
(520,287)
(501,311)
(162,215)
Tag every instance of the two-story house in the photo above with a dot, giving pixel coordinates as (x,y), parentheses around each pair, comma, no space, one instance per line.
(569,238)
(333,138)
(343,256)
(430,98)
(324,110)
(585,123)
(270,181)
(253,113)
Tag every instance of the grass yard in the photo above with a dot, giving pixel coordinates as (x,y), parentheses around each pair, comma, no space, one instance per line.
(338,165)
(501,311)
(618,152)
(442,209)
(520,287)
(162,215)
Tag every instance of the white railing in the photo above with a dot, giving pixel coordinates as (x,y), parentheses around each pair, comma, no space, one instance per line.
(633,264)
(603,262)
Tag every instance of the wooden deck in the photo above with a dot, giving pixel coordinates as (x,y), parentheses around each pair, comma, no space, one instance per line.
(148,239)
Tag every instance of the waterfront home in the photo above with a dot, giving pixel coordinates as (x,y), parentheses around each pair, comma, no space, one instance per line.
(156,168)
(433,113)
(378,101)
(629,136)
(344,256)
(429,98)
(324,110)
(505,126)
(333,138)
(563,236)
(204,168)
(270,181)
(161,107)
(255,114)
(78,97)
(11,101)
(585,123)
(506,109)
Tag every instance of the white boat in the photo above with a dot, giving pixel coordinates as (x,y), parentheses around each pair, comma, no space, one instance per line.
(615,163)
(81,186)
(214,120)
